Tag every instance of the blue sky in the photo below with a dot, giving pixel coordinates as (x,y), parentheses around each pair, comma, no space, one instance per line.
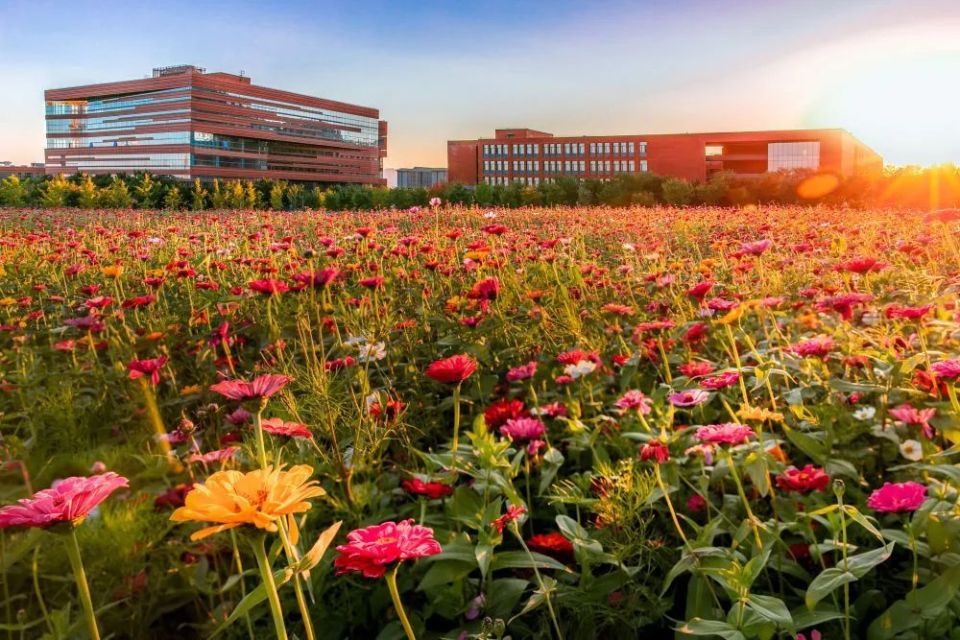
(884,69)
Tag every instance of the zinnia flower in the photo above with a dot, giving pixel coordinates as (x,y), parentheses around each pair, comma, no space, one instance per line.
(523,429)
(896,497)
(514,512)
(727,433)
(656,451)
(946,369)
(269,287)
(452,370)
(69,500)
(261,387)
(523,372)
(634,399)
(909,415)
(432,490)
(150,367)
(805,480)
(259,498)
(553,544)
(688,398)
(370,550)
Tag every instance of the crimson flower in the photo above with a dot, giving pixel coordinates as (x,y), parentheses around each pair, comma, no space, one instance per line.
(149,367)
(896,497)
(720,381)
(370,550)
(319,279)
(553,544)
(486,289)
(279,427)
(261,387)
(432,490)
(907,313)
(69,500)
(656,451)
(805,480)
(452,370)
(499,412)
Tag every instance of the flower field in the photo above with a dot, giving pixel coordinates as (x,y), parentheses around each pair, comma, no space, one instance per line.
(452,422)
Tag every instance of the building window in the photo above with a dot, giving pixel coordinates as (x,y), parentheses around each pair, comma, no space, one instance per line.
(643,165)
(785,156)
(643,148)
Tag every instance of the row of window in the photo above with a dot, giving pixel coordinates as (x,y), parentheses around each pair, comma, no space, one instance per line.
(567,149)
(566,167)
(100,105)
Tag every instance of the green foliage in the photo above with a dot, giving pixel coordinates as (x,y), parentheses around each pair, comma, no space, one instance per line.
(13,193)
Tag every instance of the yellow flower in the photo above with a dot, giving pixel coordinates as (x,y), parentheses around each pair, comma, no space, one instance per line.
(7,302)
(261,498)
(112,271)
(191,390)
(759,414)
(733,315)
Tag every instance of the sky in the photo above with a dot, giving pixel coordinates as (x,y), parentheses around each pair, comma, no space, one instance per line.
(886,70)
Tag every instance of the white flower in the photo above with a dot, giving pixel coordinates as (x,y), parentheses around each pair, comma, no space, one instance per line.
(864,413)
(870,318)
(353,341)
(582,368)
(155,240)
(490,215)
(911,450)
(629,246)
(376,351)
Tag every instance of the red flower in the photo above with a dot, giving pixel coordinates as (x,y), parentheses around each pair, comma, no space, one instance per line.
(432,490)
(720,381)
(262,387)
(452,370)
(552,544)
(319,279)
(818,347)
(656,451)
(862,265)
(499,412)
(805,480)
(514,512)
(486,289)
(373,282)
(269,287)
(150,367)
(907,313)
(370,550)
(69,500)
(700,290)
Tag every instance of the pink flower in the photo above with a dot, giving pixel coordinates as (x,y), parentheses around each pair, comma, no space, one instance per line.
(634,399)
(817,347)
(69,500)
(896,497)
(150,367)
(523,372)
(756,248)
(213,456)
(720,381)
(370,550)
(261,387)
(696,503)
(727,433)
(279,427)
(917,417)
(523,429)
(688,398)
(946,369)
(319,279)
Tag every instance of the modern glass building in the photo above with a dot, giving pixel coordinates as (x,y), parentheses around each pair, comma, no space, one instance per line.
(187,123)
(531,157)
(421,177)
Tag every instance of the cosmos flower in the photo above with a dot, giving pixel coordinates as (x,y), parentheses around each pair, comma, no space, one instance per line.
(280,427)
(150,367)
(260,498)
(371,550)
(68,501)
(259,388)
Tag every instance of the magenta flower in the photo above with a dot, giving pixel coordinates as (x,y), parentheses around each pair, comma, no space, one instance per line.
(523,429)
(262,387)
(69,500)
(634,399)
(727,433)
(897,497)
(370,550)
(946,369)
(523,372)
(150,367)
(688,398)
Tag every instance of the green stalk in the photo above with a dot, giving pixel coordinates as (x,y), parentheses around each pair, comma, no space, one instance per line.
(258,433)
(273,598)
(456,424)
(846,586)
(297,587)
(743,496)
(515,528)
(76,563)
(397,604)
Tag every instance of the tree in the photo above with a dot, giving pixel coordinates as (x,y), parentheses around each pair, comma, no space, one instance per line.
(276,195)
(12,192)
(54,193)
(88,196)
(172,199)
(116,196)
(251,197)
(218,198)
(483,194)
(198,196)
(147,192)
(296,198)
(677,192)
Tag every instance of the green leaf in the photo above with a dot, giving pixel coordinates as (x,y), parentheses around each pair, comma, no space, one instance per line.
(520,560)
(552,461)
(925,603)
(862,520)
(252,599)
(312,558)
(441,573)
(860,564)
(825,583)
(503,595)
(773,609)
(701,627)
(484,555)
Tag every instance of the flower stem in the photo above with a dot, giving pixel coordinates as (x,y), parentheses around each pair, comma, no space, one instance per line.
(273,598)
(515,528)
(76,563)
(261,445)
(456,425)
(292,556)
(397,604)
(743,496)
(846,585)
(673,513)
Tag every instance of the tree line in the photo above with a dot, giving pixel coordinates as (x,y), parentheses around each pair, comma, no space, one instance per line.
(909,187)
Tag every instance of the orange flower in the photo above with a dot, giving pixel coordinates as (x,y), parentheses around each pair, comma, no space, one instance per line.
(260,498)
